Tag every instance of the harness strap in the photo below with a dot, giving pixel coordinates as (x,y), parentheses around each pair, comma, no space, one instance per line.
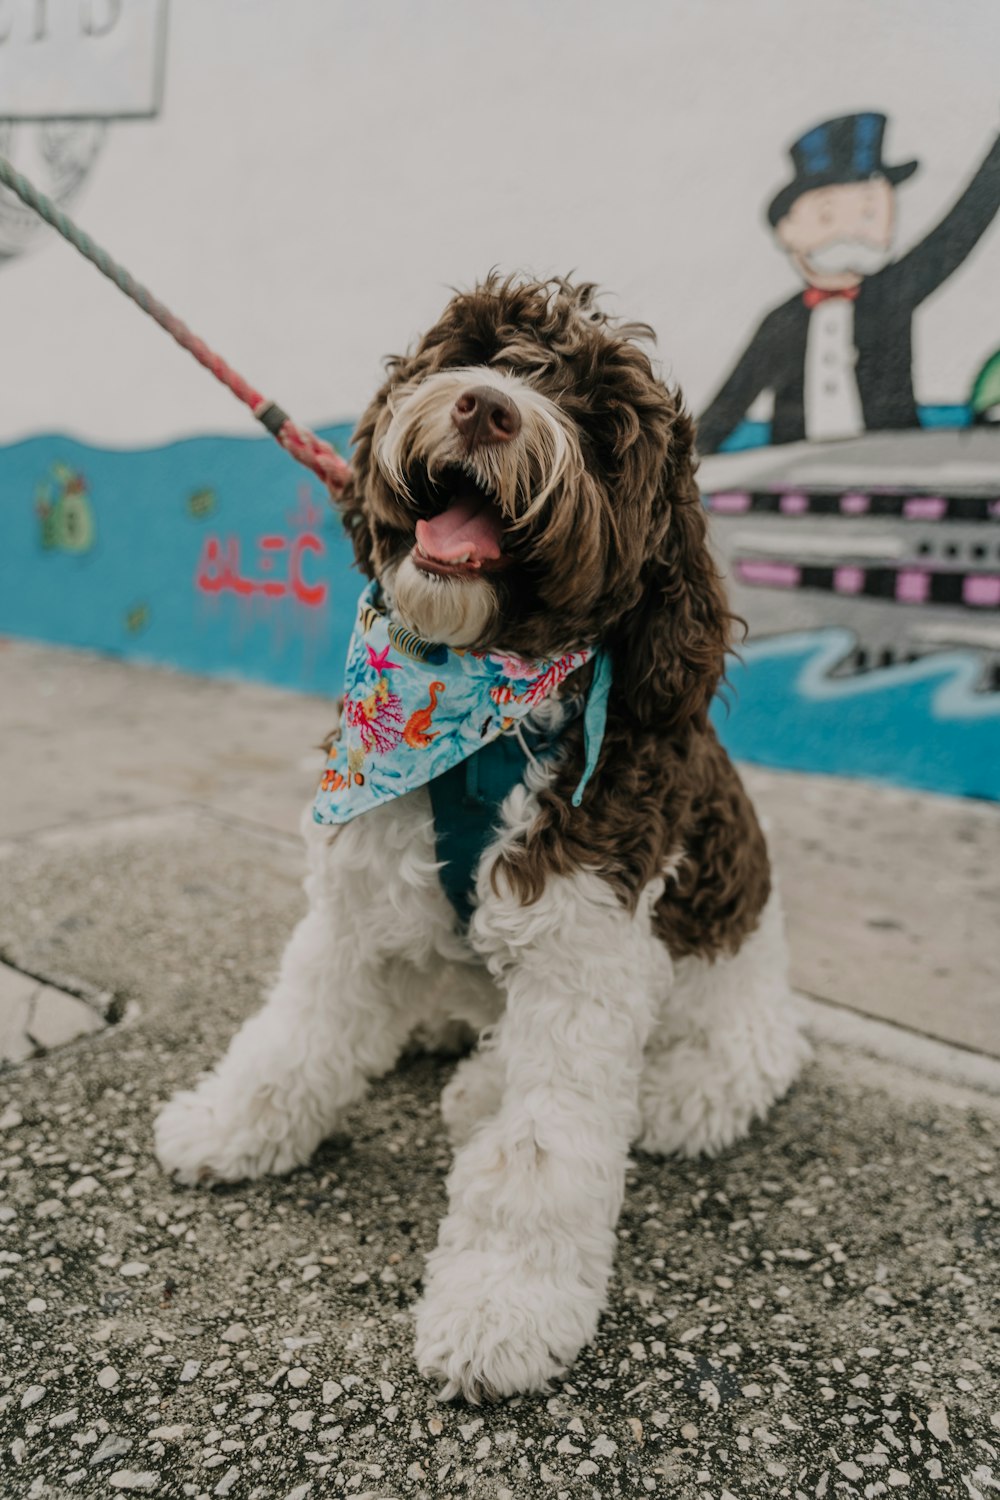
(595,719)
(466,800)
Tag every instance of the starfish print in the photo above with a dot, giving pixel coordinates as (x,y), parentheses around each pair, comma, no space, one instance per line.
(379,660)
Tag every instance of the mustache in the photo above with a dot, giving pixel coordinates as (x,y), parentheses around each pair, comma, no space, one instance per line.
(857,255)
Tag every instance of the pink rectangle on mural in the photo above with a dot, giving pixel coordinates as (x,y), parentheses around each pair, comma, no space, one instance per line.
(982,590)
(848,580)
(925,507)
(772,574)
(729,502)
(793,504)
(913,586)
(854,505)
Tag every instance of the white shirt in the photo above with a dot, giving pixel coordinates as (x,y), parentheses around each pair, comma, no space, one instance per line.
(832,399)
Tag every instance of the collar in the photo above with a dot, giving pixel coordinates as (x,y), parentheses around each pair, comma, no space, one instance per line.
(413,710)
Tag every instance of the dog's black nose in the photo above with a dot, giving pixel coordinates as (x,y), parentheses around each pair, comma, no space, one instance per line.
(484,415)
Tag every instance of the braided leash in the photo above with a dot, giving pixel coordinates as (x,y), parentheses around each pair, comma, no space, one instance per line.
(303,445)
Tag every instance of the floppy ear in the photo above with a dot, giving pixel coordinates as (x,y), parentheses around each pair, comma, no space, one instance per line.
(669,650)
(355,520)
(350,501)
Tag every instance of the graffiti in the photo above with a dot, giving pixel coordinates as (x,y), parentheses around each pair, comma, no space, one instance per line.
(65,515)
(219,568)
(202,503)
(307,515)
(137,619)
(837,356)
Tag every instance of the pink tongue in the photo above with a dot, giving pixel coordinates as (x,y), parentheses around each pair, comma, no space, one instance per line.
(469,528)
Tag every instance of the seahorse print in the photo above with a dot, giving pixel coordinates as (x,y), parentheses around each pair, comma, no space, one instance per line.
(418,733)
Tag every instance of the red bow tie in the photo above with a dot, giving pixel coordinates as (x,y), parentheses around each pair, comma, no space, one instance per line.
(814,295)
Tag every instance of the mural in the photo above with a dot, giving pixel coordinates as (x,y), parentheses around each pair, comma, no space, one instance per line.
(66,517)
(859,522)
(861,535)
(213,554)
(838,355)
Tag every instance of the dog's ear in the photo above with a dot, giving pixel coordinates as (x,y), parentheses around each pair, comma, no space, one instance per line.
(355,519)
(350,501)
(669,649)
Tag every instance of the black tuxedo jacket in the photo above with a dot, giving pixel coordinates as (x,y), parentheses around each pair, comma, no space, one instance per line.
(883,312)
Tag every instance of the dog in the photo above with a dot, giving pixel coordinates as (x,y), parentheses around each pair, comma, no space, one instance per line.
(523,491)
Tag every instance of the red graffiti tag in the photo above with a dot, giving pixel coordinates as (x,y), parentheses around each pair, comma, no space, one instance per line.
(219,569)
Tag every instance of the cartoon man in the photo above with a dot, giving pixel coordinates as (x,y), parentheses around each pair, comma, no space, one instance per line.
(838,355)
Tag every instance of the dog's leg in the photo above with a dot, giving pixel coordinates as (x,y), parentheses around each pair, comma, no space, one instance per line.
(348,995)
(517,1282)
(473,1093)
(726,1045)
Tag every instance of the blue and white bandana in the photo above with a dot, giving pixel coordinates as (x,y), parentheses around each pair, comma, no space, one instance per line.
(413,710)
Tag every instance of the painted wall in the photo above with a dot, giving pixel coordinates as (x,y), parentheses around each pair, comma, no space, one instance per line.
(303,183)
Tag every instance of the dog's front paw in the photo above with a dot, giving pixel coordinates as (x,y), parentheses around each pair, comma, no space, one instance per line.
(490,1325)
(205,1135)
(196,1146)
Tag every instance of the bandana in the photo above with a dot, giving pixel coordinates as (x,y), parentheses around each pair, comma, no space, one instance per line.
(414,710)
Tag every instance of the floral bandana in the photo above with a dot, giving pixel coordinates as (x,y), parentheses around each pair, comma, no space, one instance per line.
(413,710)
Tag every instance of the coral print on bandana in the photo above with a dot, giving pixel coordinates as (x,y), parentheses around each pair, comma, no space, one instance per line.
(413,710)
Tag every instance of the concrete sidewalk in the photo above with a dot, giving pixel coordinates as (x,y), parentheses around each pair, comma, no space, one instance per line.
(812,1314)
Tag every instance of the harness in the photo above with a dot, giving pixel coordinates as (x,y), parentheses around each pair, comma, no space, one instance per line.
(467,799)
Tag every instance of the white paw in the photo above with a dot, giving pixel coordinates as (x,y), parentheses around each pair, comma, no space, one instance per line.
(489,1325)
(206,1135)
(473,1094)
(698,1099)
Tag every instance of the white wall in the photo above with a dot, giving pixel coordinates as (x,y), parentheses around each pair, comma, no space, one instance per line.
(322,170)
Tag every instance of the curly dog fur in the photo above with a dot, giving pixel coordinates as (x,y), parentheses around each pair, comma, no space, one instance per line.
(625,965)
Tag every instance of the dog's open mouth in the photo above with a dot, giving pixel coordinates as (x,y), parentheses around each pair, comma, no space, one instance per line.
(466,537)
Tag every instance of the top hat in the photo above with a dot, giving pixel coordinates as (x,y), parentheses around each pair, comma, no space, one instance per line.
(848,149)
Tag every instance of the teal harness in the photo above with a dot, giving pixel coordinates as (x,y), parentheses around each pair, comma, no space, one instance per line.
(467,798)
(467,801)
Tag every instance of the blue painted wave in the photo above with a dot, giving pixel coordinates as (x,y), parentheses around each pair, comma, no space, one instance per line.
(920,725)
(134,590)
(751,433)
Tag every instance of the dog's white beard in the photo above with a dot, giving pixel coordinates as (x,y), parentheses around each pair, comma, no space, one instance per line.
(448,611)
(859,256)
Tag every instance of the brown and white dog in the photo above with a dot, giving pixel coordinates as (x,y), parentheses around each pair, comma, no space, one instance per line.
(524,482)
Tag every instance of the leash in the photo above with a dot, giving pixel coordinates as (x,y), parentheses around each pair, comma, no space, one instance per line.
(303,445)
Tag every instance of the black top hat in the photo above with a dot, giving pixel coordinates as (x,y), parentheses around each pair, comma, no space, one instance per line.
(848,149)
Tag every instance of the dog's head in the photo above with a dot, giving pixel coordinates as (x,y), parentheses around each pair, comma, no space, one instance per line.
(524,482)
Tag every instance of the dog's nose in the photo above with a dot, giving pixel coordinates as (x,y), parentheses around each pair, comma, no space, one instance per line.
(484,415)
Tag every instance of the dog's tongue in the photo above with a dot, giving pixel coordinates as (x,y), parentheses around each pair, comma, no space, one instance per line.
(470,528)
